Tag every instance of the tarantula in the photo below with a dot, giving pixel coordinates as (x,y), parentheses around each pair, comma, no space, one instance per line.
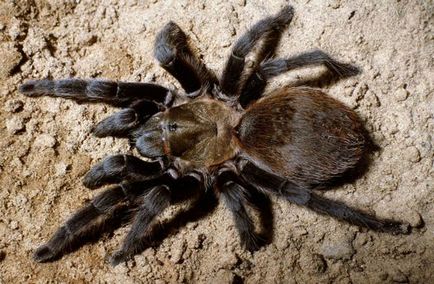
(222,136)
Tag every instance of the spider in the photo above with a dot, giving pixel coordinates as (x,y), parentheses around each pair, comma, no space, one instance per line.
(222,136)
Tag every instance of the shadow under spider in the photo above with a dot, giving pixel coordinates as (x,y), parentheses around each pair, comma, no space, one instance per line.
(200,208)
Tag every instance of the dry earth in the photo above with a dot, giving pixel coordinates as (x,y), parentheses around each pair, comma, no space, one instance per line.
(46,145)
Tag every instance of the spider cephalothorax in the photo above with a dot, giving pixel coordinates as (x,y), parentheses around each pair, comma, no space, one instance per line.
(221,136)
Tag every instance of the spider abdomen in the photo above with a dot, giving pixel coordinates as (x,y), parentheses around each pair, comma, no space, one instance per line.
(302,134)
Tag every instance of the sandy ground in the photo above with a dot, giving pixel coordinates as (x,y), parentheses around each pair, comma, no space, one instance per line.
(46,146)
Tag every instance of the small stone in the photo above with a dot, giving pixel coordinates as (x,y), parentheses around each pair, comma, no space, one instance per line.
(335,4)
(178,249)
(415,219)
(361,240)
(337,249)
(15,28)
(13,225)
(314,263)
(412,154)
(61,169)
(9,59)
(45,141)
(86,39)
(401,94)
(2,256)
(14,106)
(20,200)
(35,41)
(16,162)
(150,77)
(371,99)
(228,261)
(14,125)
(224,277)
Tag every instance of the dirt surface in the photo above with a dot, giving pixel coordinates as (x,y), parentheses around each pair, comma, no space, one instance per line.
(46,145)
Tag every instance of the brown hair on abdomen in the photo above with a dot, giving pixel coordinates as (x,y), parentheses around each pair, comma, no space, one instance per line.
(302,134)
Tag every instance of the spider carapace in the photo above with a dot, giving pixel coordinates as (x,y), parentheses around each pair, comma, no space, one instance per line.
(197,134)
(226,137)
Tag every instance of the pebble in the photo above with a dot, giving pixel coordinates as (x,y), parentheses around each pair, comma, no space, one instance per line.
(45,141)
(412,154)
(228,261)
(177,250)
(14,125)
(13,225)
(61,168)
(361,240)
(20,201)
(401,94)
(14,106)
(224,277)
(371,99)
(337,249)
(15,28)
(16,162)
(335,4)
(313,263)
(35,41)
(242,3)
(9,59)
(415,219)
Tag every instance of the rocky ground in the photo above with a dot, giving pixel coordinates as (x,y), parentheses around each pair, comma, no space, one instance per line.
(46,145)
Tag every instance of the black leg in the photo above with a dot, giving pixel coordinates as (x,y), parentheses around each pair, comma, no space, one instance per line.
(236,197)
(184,189)
(257,81)
(122,123)
(113,93)
(305,197)
(176,57)
(117,168)
(154,202)
(268,29)
(91,218)
(262,204)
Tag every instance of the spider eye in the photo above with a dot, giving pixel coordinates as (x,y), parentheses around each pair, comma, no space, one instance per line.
(172,127)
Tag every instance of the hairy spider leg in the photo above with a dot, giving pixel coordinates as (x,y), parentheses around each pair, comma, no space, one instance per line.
(175,56)
(268,29)
(118,94)
(123,122)
(305,197)
(169,191)
(119,168)
(104,209)
(154,202)
(236,197)
(255,84)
